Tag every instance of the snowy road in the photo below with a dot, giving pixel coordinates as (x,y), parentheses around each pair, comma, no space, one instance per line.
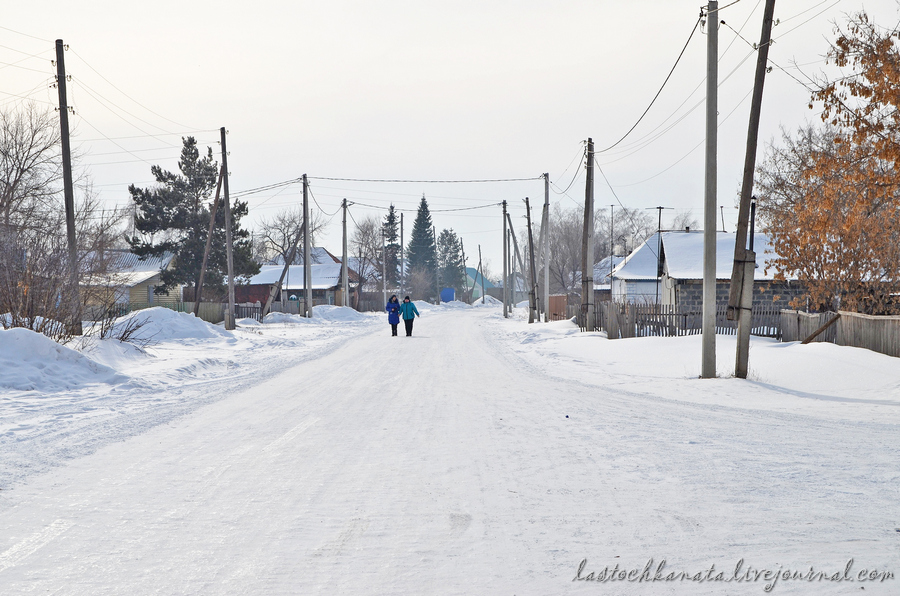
(446,464)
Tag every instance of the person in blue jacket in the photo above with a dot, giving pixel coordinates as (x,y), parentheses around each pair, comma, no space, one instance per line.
(393,309)
(409,313)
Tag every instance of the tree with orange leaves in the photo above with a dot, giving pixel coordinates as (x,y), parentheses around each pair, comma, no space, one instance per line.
(830,197)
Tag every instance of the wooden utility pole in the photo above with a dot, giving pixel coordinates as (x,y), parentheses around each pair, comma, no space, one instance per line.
(510,238)
(307,257)
(198,293)
(466,296)
(741,273)
(437,266)
(288,260)
(612,248)
(229,245)
(505,263)
(383,268)
(402,259)
(483,299)
(587,247)
(659,249)
(545,246)
(68,191)
(708,338)
(532,295)
(345,279)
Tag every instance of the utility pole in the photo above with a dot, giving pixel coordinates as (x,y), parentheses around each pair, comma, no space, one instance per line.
(383,267)
(659,271)
(288,260)
(483,299)
(307,258)
(345,279)
(532,312)
(612,248)
(708,338)
(198,293)
(545,251)
(466,296)
(437,266)
(68,191)
(587,247)
(722,211)
(402,259)
(505,263)
(743,269)
(229,317)
(510,238)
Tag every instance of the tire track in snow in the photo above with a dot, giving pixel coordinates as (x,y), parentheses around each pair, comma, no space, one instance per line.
(31,545)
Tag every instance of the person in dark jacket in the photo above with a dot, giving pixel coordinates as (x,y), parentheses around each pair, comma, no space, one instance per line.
(409,313)
(393,309)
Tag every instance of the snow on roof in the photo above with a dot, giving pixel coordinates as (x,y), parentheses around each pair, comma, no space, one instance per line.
(683,254)
(324,276)
(683,257)
(602,271)
(317,254)
(641,264)
(126,268)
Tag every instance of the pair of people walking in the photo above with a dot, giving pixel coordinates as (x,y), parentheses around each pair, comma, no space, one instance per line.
(405,310)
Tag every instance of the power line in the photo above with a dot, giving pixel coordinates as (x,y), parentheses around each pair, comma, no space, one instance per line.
(655,97)
(26,35)
(424,181)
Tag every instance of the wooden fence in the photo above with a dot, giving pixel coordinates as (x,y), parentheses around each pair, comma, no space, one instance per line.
(664,320)
(877,333)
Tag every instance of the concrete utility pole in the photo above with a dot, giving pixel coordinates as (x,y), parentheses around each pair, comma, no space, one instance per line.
(307,258)
(587,247)
(510,238)
(345,278)
(708,338)
(402,259)
(198,292)
(740,300)
(505,263)
(229,245)
(532,295)
(545,250)
(68,191)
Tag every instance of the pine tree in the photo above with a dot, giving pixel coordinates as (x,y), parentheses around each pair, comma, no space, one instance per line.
(421,253)
(393,249)
(174,217)
(450,263)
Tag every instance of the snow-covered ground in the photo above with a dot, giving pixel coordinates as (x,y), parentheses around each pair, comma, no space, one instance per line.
(481,456)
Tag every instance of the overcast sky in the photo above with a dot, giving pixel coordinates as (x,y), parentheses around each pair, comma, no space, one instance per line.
(418,90)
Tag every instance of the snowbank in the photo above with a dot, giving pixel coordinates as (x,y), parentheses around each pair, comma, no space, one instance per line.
(33,362)
(488,301)
(163,324)
(337,314)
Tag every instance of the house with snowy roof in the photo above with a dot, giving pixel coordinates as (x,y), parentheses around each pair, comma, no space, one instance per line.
(325,286)
(121,277)
(476,279)
(668,269)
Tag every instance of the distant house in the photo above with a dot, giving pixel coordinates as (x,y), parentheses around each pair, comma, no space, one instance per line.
(668,269)
(474,277)
(603,277)
(325,287)
(128,280)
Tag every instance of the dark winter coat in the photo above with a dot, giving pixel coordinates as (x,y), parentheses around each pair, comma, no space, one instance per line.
(393,309)
(408,310)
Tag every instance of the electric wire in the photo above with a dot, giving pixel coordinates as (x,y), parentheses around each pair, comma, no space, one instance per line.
(655,97)
(424,181)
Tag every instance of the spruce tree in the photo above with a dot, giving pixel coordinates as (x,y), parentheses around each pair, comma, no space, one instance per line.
(421,253)
(392,248)
(450,263)
(174,217)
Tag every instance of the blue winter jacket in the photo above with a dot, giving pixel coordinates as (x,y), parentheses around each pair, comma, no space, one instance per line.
(393,309)
(408,310)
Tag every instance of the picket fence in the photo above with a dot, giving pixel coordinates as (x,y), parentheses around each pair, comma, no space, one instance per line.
(665,320)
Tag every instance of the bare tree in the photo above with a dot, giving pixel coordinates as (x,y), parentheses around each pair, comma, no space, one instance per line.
(30,164)
(365,246)
(278,233)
